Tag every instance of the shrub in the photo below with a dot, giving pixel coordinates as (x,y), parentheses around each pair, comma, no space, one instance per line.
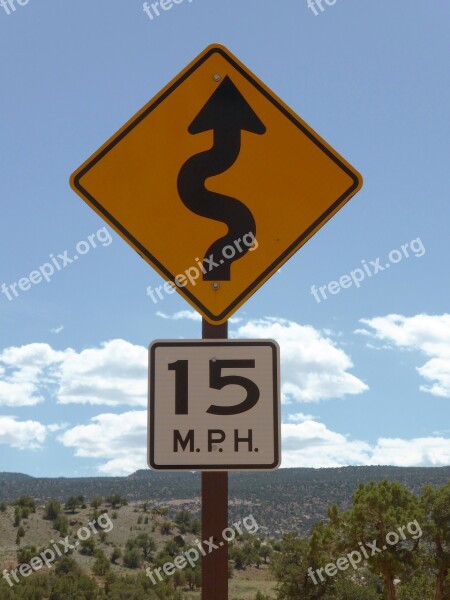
(116,554)
(96,502)
(103,536)
(61,524)
(71,504)
(101,565)
(67,565)
(179,579)
(183,520)
(166,528)
(25,554)
(87,547)
(144,543)
(52,510)
(27,502)
(116,500)
(193,578)
(196,527)
(132,558)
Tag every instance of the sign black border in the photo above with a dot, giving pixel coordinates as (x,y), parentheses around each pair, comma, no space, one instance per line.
(142,250)
(151,400)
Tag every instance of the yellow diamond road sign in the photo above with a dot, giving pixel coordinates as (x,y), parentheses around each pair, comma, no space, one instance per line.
(216,183)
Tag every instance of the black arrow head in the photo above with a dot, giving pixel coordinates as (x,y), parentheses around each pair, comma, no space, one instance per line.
(227,109)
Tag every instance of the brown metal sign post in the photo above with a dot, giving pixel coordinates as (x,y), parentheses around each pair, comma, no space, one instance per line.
(215,511)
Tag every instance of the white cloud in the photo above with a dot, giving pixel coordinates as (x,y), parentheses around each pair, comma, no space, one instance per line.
(300,418)
(312,444)
(313,367)
(118,444)
(119,440)
(26,372)
(54,427)
(24,435)
(13,394)
(191,315)
(429,334)
(235,320)
(418,452)
(114,374)
(35,356)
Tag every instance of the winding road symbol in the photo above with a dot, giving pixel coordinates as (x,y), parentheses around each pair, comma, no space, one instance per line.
(227,113)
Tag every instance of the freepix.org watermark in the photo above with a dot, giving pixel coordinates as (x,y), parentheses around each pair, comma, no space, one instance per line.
(318,5)
(357,276)
(355,557)
(191,556)
(153,9)
(58,549)
(57,263)
(247,243)
(9,6)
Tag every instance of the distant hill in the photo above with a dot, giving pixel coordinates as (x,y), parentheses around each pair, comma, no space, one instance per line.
(283,500)
(14,477)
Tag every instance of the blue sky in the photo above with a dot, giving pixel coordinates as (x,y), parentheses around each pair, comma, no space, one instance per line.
(365,373)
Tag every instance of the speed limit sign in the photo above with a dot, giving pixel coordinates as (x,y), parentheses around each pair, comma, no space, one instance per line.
(214,405)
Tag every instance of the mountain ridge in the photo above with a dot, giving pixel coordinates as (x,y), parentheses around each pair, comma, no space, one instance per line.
(281,501)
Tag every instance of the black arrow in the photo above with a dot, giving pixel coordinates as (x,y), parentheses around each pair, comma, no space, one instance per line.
(227,113)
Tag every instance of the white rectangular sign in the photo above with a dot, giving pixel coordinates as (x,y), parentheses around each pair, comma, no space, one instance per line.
(214,405)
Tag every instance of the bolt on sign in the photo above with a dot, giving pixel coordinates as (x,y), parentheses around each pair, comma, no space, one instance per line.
(216,183)
(214,405)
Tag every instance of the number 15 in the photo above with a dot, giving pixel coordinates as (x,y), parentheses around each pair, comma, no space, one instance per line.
(217,381)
